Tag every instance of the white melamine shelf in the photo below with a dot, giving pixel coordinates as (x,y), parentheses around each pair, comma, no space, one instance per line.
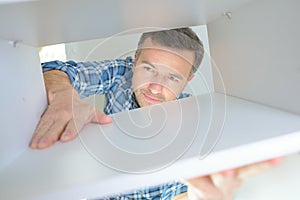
(190,137)
(46,22)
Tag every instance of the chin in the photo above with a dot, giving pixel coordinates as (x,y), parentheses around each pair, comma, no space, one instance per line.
(144,103)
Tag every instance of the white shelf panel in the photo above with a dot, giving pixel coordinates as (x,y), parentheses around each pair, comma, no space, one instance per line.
(45,22)
(23,98)
(241,132)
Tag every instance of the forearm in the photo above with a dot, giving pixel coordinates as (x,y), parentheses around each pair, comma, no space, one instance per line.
(83,77)
(62,75)
(89,78)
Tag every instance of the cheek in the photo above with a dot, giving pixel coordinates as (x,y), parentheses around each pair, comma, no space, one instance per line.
(170,94)
(139,81)
(173,92)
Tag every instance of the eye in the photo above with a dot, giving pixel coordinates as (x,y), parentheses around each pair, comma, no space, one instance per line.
(173,78)
(148,68)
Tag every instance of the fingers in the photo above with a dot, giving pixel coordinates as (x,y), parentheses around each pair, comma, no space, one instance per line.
(75,125)
(203,188)
(47,133)
(52,135)
(276,161)
(257,168)
(41,130)
(100,118)
(224,185)
(229,180)
(59,123)
(221,185)
(72,129)
(228,183)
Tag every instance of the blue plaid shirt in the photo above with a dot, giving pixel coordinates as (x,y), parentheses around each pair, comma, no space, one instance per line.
(110,77)
(113,78)
(161,192)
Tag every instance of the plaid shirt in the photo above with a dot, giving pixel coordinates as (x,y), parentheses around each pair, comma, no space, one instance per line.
(110,77)
(113,78)
(161,192)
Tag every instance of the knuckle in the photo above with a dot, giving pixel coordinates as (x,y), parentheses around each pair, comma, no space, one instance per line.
(44,123)
(46,119)
(72,133)
(64,114)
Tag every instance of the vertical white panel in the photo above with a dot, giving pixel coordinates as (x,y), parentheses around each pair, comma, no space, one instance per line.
(23,98)
(257,53)
(202,83)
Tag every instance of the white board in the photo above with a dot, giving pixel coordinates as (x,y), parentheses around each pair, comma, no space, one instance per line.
(122,156)
(23,98)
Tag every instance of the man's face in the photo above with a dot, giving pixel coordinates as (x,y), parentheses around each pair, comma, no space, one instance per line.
(160,73)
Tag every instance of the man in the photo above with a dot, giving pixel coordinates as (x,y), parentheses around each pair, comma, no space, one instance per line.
(164,63)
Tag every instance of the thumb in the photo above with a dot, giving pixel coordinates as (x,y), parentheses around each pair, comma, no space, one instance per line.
(100,117)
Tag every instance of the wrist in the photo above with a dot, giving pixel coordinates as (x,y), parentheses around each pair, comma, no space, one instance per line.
(56,79)
(57,82)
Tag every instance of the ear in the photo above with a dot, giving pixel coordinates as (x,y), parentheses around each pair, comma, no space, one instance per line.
(135,55)
(135,60)
(191,77)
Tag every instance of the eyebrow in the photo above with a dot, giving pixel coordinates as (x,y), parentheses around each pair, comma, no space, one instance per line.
(176,75)
(148,63)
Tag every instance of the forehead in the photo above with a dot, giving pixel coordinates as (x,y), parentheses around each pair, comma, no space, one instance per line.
(180,60)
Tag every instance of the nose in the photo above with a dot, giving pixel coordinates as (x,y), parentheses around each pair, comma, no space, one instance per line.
(155,88)
(156,84)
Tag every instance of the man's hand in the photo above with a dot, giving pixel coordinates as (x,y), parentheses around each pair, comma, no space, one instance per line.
(223,185)
(66,113)
(219,186)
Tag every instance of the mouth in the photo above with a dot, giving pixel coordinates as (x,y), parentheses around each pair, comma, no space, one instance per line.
(150,99)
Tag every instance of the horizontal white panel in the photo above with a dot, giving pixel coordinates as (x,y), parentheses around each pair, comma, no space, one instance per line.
(46,22)
(190,137)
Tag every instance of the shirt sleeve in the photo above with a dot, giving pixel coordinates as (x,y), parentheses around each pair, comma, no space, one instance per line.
(184,95)
(90,78)
(161,192)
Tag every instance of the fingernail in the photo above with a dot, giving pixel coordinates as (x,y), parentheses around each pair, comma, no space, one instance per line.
(276,161)
(43,143)
(35,141)
(43,140)
(65,135)
(229,172)
(107,119)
